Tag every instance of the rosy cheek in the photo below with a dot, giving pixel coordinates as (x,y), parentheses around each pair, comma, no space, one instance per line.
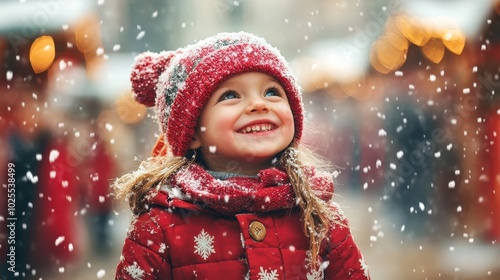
(286,115)
(218,127)
(291,121)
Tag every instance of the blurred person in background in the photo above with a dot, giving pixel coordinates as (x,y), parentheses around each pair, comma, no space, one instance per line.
(62,166)
(411,167)
(27,139)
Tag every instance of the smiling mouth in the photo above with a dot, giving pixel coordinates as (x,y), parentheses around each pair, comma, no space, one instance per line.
(256,128)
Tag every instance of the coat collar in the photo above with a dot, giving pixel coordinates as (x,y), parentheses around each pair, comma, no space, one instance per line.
(196,189)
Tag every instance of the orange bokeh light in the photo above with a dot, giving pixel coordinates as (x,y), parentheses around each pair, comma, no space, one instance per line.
(42,53)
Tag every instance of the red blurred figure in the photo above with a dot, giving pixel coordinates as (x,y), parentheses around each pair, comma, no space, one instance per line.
(56,210)
(494,175)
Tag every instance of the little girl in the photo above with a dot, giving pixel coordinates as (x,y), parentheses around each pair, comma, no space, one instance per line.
(229,192)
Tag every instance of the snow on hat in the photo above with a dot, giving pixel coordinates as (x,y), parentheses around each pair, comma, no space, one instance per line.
(179,83)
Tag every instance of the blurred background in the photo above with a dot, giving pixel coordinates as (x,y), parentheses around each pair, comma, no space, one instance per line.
(402,96)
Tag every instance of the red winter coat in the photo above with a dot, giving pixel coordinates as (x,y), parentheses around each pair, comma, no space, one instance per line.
(180,240)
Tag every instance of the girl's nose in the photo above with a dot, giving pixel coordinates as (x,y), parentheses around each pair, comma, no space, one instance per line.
(257,104)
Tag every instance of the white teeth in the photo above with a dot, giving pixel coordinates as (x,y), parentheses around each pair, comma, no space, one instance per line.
(257,128)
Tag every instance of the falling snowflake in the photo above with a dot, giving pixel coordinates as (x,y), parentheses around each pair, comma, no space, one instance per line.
(59,240)
(101,273)
(204,244)
(135,271)
(54,154)
(271,275)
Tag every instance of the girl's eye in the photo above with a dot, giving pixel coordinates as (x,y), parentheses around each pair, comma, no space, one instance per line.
(273,92)
(228,95)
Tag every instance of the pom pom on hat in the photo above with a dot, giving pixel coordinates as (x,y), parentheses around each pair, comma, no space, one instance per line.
(179,83)
(146,70)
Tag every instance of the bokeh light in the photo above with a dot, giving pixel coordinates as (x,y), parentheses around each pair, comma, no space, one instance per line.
(432,35)
(42,53)
(433,50)
(128,110)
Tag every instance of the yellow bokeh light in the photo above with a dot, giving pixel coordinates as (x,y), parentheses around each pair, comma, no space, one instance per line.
(128,110)
(414,29)
(42,53)
(88,34)
(391,51)
(374,60)
(454,40)
(433,50)
(432,35)
(356,89)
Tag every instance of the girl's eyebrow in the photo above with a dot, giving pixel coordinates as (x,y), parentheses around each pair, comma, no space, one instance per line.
(272,79)
(224,90)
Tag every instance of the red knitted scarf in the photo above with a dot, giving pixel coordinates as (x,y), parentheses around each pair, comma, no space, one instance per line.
(270,190)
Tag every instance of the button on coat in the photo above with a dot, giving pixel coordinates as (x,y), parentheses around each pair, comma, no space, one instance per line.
(180,240)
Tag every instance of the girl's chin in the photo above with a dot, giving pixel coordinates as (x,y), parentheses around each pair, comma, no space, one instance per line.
(257,158)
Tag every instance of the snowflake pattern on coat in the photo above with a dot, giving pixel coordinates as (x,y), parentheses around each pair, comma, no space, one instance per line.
(204,244)
(314,274)
(265,275)
(135,271)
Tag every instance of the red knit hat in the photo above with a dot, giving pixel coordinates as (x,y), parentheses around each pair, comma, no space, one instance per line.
(179,83)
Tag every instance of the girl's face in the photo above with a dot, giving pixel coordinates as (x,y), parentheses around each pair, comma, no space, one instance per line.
(246,122)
